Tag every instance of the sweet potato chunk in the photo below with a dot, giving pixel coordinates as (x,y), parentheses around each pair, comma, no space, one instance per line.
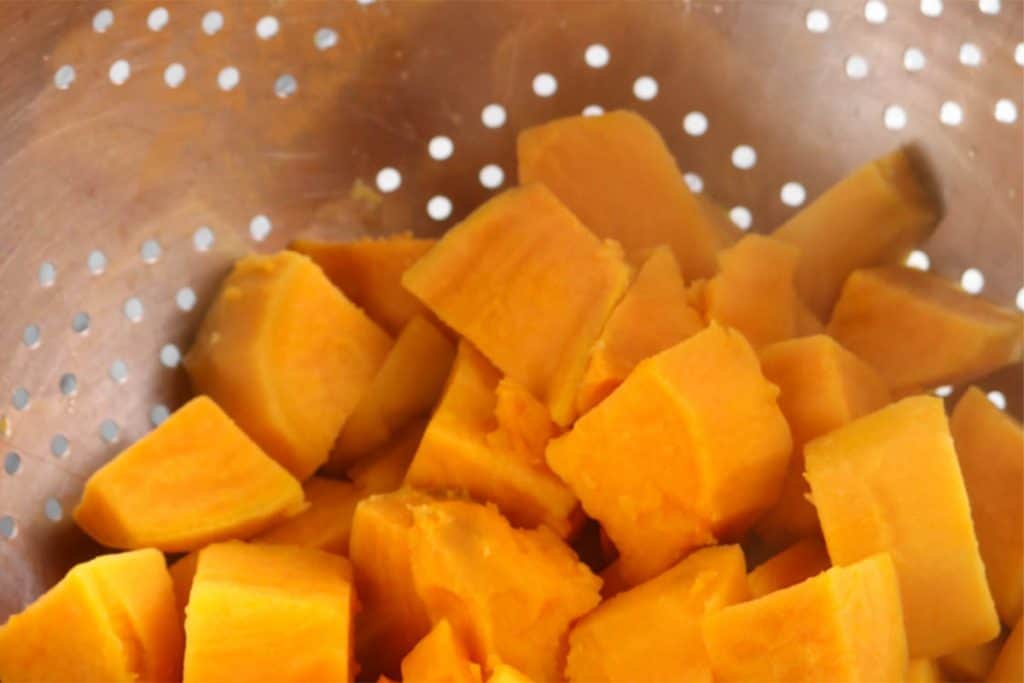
(894,318)
(615,172)
(822,386)
(439,658)
(325,524)
(689,449)
(369,272)
(499,278)
(1009,666)
(193,480)
(287,356)
(384,470)
(652,316)
(113,618)
(990,446)
(653,632)
(800,561)
(873,216)
(842,625)
(479,443)
(503,673)
(510,594)
(754,291)
(407,386)
(264,610)
(890,481)
(394,617)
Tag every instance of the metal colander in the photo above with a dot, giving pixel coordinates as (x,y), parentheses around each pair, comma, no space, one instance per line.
(143,147)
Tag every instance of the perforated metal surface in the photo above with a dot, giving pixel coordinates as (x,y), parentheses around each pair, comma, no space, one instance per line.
(142,148)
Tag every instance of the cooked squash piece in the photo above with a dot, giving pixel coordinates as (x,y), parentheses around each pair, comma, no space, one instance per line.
(193,480)
(393,618)
(923,671)
(259,611)
(499,279)
(754,291)
(893,317)
(325,524)
(1009,666)
(113,618)
(287,356)
(369,272)
(510,594)
(822,386)
(971,664)
(990,446)
(873,216)
(890,481)
(652,316)
(466,448)
(842,625)
(689,449)
(439,658)
(503,673)
(384,470)
(615,172)
(800,561)
(653,632)
(407,386)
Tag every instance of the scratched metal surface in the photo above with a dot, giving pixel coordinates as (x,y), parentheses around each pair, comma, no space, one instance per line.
(94,173)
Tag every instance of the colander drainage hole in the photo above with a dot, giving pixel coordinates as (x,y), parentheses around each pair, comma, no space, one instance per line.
(8,527)
(12,463)
(59,446)
(53,510)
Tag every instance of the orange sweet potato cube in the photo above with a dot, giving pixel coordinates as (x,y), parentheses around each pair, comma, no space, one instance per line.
(113,618)
(325,524)
(873,216)
(653,632)
(822,386)
(487,439)
(754,290)
(253,606)
(369,272)
(800,561)
(510,594)
(689,449)
(652,316)
(384,470)
(287,356)
(843,625)
(892,317)
(615,172)
(525,282)
(890,481)
(195,479)
(503,673)
(440,658)
(407,385)
(393,618)
(990,446)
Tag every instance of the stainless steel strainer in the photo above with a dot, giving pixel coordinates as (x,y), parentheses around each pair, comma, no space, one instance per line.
(143,147)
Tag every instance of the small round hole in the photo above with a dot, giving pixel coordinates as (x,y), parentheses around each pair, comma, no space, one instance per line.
(64,77)
(47,274)
(118,371)
(1018,54)
(998,399)
(645,88)
(544,85)
(913,59)
(741,217)
(817,21)
(440,147)
(185,298)
(59,446)
(857,67)
(109,431)
(80,322)
(1020,299)
(943,391)
(951,113)
(918,260)
(931,8)
(388,179)
(260,227)
(158,414)
(30,336)
(68,384)
(744,157)
(439,207)
(493,116)
(970,55)
(228,78)
(53,510)
(597,56)
(695,123)
(170,356)
(97,262)
(991,7)
(267,27)
(491,176)
(174,75)
(593,110)
(285,86)
(212,22)
(694,182)
(8,527)
(20,398)
(972,280)
(120,72)
(793,194)
(202,240)
(150,251)
(895,117)
(158,19)
(133,309)
(102,21)
(876,12)
(325,38)
(1005,111)
(12,463)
